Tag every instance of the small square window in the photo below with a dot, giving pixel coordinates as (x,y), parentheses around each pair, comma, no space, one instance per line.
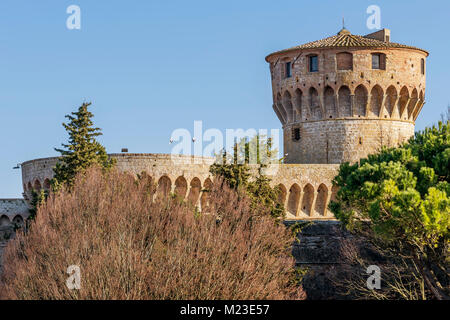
(379,61)
(288,69)
(313,64)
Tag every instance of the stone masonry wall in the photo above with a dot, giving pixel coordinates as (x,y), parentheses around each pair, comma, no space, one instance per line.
(306,189)
(325,113)
(12,212)
(336,141)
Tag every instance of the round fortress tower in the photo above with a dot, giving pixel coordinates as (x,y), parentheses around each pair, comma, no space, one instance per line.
(344,97)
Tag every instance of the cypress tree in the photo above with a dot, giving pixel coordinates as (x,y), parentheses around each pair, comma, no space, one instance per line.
(82,150)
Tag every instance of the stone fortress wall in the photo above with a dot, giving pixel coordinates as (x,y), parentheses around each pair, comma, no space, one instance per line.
(336,103)
(13,212)
(338,99)
(346,107)
(306,190)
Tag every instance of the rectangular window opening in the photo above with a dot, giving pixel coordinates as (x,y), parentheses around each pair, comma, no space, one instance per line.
(379,61)
(288,69)
(313,64)
(375,61)
(296,134)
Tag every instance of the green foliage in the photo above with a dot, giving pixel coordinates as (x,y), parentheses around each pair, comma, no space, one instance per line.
(402,196)
(82,150)
(262,194)
(235,171)
(236,175)
(37,198)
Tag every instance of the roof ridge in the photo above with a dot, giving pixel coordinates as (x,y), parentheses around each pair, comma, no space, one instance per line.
(348,40)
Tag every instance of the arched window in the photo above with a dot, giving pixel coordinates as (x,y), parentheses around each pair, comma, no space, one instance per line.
(422,66)
(287,104)
(18,221)
(281,189)
(412,103)
(418,106)
(321,200)
(164,186)
(345,106)
(344,61)
(280,108)
(360,101)
(47,184)
(37,185)
(204,200)
(4,221)
(316,113)
(181,187)
(391,99)
(376,98)
(404,97)
(194,193)
(308,197)
(293,200)
(330,103)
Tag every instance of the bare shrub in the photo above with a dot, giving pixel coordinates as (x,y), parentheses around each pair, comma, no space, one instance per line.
(131,244)
(400,276)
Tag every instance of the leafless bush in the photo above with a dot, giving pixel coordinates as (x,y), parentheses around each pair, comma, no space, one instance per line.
(132,244)
(400,277)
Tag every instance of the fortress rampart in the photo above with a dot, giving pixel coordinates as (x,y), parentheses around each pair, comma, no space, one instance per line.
(305,189)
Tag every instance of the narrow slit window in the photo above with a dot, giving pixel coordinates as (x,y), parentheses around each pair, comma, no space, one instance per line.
(296,134)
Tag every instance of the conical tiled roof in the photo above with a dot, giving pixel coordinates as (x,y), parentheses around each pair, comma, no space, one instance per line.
(344,39)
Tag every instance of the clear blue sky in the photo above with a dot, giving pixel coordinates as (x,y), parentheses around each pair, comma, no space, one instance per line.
(150,66)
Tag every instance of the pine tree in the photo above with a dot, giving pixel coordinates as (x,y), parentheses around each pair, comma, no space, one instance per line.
(82,150)
(399,199)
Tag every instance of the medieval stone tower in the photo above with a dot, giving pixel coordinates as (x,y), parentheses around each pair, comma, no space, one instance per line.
(338,99)
(343,97)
